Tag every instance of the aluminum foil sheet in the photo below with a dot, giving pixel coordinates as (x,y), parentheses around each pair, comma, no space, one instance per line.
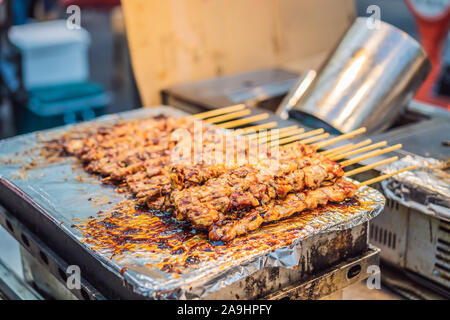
(66,194)
(426,189)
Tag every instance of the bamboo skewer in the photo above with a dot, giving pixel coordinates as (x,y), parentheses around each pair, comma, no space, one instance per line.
(360,150)
(336,150)
(345,148)
(296,137)
(350,148)
(370,166)
(315,138)
(213,113)
(289,133)
(281,130)
(385,176)
(293,134)
(264,126)
(340,138)
(255,135)
(288,129)
(280,134)
(370,155)
(243,121)
(229,116)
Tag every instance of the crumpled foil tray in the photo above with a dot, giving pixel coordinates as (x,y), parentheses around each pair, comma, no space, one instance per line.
(426,189)
(62,192)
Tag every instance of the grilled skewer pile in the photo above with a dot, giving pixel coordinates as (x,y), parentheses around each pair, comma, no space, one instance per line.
(249,186)
(227,230)
(227,198)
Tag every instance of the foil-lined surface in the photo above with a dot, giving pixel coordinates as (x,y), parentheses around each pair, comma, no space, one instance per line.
(65,193)
(426,189)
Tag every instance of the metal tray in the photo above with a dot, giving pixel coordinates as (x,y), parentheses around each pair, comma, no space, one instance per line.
(427,189)
(48,198)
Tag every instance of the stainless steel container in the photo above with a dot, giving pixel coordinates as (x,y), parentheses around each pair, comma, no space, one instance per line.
(367,81)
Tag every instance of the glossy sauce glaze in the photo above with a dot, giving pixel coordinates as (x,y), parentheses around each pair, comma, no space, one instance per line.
(132,231)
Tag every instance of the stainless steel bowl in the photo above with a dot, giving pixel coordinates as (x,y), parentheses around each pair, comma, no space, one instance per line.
(367,81)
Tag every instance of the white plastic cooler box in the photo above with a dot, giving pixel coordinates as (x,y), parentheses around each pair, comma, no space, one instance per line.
(52,53)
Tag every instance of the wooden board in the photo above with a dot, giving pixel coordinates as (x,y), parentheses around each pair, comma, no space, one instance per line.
(176,41)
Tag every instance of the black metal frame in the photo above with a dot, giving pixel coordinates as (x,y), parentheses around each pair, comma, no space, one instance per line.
(47,257)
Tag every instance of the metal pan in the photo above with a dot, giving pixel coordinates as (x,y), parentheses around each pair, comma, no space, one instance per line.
(47,199)
(366,82)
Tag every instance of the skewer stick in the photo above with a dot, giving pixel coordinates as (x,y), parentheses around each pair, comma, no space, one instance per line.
(254,136)
(272,137)
(345,148)
(296,137)
(264,126)
(241,122)
(258,135)
(288,128)
(229,116)
(339,149)
(370,166)
(370,155)
(213,113)
(316,138)
(281,134)
(251,136)
(360,150)
(288,133)
(340,138)
(385,176)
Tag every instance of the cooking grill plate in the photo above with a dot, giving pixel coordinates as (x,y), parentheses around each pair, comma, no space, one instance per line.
(48,199)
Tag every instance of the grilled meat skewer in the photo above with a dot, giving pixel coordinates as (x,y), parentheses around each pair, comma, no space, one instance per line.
(224,230)
(186,175)
(250,186)
(137,155)
(141,165)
